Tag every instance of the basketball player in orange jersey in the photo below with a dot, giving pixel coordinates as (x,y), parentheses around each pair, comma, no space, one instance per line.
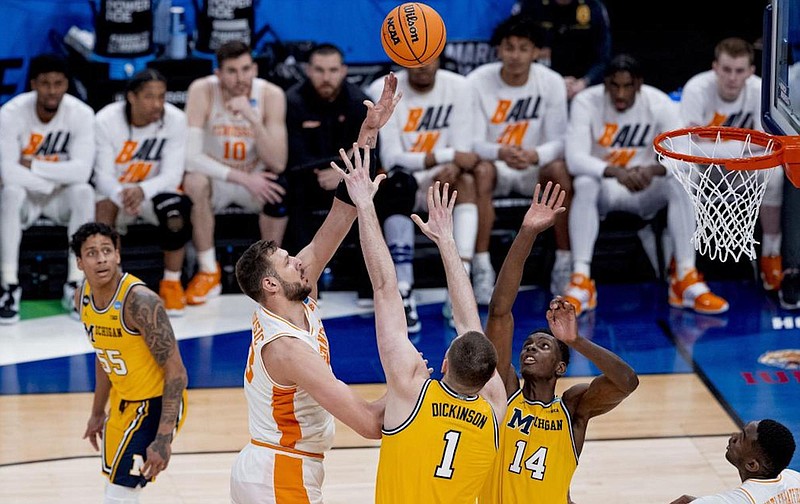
(449,425)
(292,393)
(235,153)
(46,156)
(522,117)
(542,433)
(139,371)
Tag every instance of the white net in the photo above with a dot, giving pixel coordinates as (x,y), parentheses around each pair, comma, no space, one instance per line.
(726,202)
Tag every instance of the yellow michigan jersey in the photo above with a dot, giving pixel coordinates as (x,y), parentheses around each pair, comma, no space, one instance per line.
(537,456)
(121,351)
(442,453)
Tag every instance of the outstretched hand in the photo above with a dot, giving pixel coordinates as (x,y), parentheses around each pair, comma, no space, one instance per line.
(562,320)
(440,213)
(356,176)
(379,113)
(543,211)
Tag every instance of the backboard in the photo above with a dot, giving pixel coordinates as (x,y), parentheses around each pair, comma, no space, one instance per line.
(780,100)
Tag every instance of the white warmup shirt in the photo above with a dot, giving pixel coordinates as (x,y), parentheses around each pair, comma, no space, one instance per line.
(599,136)
(785,489)
(151,156)
(286,418)
(701,104)
(61,151)
(438,121)
(532,116)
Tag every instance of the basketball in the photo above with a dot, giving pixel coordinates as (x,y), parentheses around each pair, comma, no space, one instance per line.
(413,34)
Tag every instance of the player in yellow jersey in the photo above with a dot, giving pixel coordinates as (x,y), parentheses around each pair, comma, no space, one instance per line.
(439,436)
(139,370)
(542,434)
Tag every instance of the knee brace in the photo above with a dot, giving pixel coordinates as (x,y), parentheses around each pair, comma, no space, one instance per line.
(397,195)
(174,219)
(279,209)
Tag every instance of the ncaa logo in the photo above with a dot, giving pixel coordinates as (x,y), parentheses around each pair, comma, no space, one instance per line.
(85,300)
(117,305)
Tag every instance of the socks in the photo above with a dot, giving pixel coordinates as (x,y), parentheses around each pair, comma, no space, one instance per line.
(207,260)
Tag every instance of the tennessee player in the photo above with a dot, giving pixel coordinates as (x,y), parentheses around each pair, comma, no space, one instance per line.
(449,425)
(542,434)
(428,138)
(46,153)
(236,152)
(521,116)
(139,371)
(610,154)
(292,393)
(138,171)
(730,95)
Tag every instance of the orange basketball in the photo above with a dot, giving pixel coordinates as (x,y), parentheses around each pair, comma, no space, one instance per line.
(413,34)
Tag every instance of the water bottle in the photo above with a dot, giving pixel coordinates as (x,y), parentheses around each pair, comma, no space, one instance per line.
(161,24)
(177,39)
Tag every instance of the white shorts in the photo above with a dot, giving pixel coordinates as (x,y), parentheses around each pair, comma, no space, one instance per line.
(224,193)
(261,475)
(56,206)
(510,180)
(147,215)
(424,178)
(616,197)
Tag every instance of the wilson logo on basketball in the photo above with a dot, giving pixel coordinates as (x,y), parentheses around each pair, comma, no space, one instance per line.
(411,19)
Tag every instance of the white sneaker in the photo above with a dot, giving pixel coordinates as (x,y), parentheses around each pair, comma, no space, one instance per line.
(483,278)
(9,304)
(412,318)
(68,300)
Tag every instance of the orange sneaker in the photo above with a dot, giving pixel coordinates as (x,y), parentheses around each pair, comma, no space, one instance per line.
(692,292)
(171,293)
(771,272)
(581,293)
(203,286)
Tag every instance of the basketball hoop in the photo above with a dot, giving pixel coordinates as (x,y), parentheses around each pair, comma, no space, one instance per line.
(725,173)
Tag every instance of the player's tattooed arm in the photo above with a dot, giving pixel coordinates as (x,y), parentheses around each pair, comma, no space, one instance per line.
(145,312)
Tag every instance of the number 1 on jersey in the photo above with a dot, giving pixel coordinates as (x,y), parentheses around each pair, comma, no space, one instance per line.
(445,467)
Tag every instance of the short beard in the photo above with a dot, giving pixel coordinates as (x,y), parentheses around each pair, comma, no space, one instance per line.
(294,291)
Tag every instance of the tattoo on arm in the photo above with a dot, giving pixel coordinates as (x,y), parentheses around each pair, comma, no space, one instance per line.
(171,402)
(161,445)
(147,314)
(371,141)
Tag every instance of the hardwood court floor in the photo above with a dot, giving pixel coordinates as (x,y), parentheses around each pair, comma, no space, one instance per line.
(667,439)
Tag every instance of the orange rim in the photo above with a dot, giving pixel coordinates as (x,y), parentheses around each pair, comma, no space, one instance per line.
(728,133)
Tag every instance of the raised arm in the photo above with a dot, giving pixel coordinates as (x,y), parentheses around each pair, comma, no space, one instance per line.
(145,313)
(604,393)
(439,229)
(500,324)
(291,360)
(404,367)
(337,224)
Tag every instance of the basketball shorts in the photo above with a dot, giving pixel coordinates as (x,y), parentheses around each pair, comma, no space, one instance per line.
(58,205)
(510,180)
(425,179)
(130,428)
(224,193)
(646,203)
(262,475)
